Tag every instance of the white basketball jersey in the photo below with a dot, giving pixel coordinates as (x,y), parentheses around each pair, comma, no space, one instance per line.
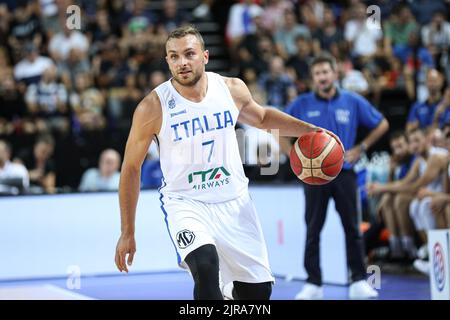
(199,153)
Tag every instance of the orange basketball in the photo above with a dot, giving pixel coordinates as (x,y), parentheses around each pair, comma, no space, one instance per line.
(316,158)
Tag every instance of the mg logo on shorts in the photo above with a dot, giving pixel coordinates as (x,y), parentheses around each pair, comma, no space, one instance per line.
(439,266)
(185,238)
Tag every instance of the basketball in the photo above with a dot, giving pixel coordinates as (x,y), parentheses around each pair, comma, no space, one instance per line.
(316,158)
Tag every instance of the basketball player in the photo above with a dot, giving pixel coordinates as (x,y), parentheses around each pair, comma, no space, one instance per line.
(204,197)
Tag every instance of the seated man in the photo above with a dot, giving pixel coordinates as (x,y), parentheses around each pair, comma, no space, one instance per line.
(423,181)
(12,175)
(106,177)
(393,208)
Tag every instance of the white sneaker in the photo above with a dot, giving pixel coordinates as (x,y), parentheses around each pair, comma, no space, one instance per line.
(422,253)
(227,291)
(361,290)
(422,266)
(310,292)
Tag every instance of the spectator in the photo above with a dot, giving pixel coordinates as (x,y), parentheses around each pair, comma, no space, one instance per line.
(436,38)
(273,13)
(88,104)
(40,165)
(286,35)
(30,69)
(277,84)
(240,21)
(106,177)
(256,48)
(25,27)
(423,9)
(62,43)
(47,101)
(398,29)
(422,113)
(362,39)
(171,16)
(312,13)
(298,65)
(10,170)
(329,37)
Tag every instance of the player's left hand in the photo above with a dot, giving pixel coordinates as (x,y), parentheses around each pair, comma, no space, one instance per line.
(353,155)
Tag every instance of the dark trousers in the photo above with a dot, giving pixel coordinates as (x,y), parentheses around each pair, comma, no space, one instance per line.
(343,190)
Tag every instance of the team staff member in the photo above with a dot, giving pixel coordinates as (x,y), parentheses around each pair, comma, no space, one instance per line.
(341,112)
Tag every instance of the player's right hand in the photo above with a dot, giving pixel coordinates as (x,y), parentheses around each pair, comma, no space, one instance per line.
(125,246)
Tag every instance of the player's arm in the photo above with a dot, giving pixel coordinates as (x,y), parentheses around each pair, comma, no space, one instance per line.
(395,186)
(253,114)
(146,123)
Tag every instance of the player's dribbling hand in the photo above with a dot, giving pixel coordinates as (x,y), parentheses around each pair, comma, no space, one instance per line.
(338,140)
(125,246)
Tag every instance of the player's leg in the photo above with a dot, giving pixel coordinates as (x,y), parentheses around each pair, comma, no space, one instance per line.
(188,226)
(203,263)
(386,208)
(243,256)
(447,216)
(402,203)
(252,291)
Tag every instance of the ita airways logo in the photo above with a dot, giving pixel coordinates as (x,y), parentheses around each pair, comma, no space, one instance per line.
(172,103)
(185,238)
(439,266)
(207,179)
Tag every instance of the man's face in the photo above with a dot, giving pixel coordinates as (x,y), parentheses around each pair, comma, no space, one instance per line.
(323,77)
(186,59)
(400,148)
(434,81)
(43,151)
(417,142)
(109,163)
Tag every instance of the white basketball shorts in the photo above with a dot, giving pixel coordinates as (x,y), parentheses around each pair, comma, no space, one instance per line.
(232,227)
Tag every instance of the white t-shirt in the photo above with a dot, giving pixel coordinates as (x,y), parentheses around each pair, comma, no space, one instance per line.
(92,180)
(28,69)
(364,39)
(62,44)
(15,170)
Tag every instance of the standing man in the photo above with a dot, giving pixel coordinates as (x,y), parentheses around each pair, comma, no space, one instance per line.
(204,197)
(341,112)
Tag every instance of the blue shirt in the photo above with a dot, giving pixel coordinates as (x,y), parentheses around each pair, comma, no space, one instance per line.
(402,170)
(423,113)
(342,115)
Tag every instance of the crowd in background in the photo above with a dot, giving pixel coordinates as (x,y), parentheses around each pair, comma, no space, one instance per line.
(68,95)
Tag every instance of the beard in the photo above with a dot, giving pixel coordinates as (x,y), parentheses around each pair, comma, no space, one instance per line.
(187,82)
(328,88)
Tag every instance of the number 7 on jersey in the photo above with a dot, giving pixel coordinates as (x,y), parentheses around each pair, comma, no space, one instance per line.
(210,142)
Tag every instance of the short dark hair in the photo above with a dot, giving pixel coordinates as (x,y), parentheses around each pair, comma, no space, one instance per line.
(45,138)
(397,134)
(185,30)
(324,57)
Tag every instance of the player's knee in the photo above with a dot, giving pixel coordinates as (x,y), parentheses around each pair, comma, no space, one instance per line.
(252,291)
(204,263)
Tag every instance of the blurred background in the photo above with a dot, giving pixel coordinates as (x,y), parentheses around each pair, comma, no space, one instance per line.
(67,96)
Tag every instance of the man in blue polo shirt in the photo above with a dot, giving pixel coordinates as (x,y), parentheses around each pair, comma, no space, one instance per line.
(423,114)
(341,112)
